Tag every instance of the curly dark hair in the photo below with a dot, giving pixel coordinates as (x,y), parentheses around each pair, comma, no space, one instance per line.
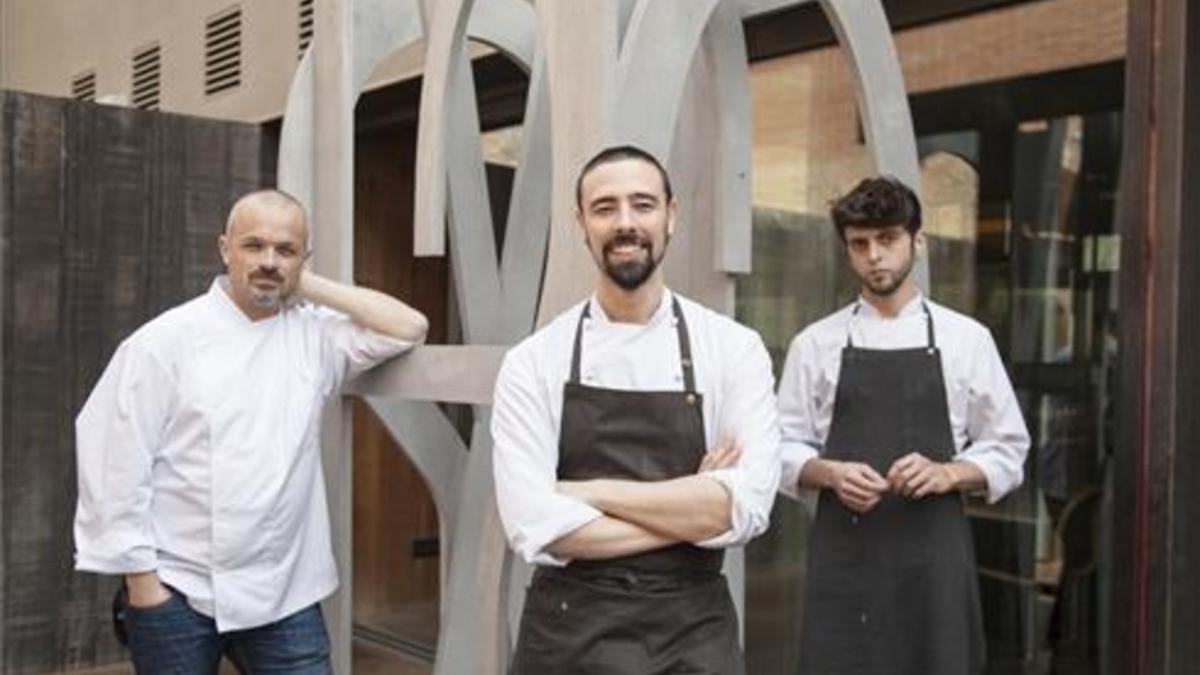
(878,202)
(617,153)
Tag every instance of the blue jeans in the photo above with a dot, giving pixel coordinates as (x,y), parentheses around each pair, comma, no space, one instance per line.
(174,639)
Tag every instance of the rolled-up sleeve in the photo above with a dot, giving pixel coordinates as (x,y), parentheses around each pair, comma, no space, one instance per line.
(356,349)
(525,463)
(997,436)
(749,417)
(797,414)
(116,437)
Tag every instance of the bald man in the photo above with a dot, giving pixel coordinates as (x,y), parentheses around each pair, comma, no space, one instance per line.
(199,454)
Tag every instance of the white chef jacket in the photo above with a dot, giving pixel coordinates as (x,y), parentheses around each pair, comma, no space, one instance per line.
(199,455)
(985,418)
(732,373)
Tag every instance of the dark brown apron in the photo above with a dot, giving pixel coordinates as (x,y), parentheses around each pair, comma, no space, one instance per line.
(663,611)
(892,592)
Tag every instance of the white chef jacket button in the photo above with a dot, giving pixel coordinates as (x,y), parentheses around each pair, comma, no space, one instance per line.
(854,520)
(563,606)
(863,618)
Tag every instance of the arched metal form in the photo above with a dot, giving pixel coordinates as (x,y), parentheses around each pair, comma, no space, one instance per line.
(459,480)
(865,37)
(670,75)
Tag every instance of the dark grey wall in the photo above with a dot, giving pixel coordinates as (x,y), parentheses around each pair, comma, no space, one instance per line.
(107,216)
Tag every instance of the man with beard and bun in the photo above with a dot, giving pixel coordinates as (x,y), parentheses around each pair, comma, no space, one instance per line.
(892,408)
(603,421)
(199,454)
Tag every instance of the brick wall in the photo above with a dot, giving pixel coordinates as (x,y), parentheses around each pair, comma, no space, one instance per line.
(806,137)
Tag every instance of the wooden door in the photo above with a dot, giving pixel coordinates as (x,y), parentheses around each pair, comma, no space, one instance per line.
(395,521)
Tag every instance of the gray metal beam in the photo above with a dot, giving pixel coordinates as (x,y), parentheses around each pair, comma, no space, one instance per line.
(443,373)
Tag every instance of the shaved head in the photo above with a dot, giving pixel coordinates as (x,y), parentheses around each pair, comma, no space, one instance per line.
(265,201)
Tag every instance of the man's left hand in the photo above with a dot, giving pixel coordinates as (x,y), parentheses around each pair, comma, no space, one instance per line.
(916,476)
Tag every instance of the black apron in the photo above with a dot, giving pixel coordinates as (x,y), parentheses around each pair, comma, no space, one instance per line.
(894,591)
(663,611)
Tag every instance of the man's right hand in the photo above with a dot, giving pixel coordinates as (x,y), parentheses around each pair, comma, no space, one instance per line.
(726,454)
(856,485)
(145,590)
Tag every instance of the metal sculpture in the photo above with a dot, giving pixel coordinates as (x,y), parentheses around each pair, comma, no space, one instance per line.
(670,75)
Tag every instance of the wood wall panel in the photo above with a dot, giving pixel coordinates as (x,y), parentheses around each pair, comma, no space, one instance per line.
(395,591)
(109,216)
(1156,601)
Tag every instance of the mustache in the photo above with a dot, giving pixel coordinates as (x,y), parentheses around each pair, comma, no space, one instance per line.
(266,274)
(626,239)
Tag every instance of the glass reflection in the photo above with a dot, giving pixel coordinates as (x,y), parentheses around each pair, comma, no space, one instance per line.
(1028,247)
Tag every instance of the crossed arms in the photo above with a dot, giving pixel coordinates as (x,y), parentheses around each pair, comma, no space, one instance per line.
(643,516)
(727,502)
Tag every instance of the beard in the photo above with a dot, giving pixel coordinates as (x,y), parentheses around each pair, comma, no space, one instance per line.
(887,283)
(268,299)
(631,274)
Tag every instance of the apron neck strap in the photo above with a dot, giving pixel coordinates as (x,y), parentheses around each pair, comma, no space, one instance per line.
(681,331)
(928,325)
(685,347)
(583,316)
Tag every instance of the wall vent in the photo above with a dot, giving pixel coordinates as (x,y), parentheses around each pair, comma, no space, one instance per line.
(223,51)
(147,77)
(306,26)
(83,86)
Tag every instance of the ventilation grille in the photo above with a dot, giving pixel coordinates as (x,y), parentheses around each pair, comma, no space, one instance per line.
(147,77)
(223,51)
(306,26)
(83,86)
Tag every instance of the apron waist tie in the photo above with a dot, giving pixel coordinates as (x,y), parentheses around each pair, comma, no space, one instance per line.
(623,578)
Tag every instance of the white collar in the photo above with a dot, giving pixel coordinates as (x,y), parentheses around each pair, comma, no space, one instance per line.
(913,306)
(660,313)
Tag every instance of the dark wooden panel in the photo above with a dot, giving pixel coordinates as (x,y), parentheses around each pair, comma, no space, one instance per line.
(1156,532)
(396,592)
(1183,19)
(36,449)
(1128,646)
(110,216)
(32,506)
(6,194)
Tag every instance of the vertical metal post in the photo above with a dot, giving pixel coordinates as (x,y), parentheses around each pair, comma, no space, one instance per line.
(333,248)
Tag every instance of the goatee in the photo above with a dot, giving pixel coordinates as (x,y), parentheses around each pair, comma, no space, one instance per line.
(630,274)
